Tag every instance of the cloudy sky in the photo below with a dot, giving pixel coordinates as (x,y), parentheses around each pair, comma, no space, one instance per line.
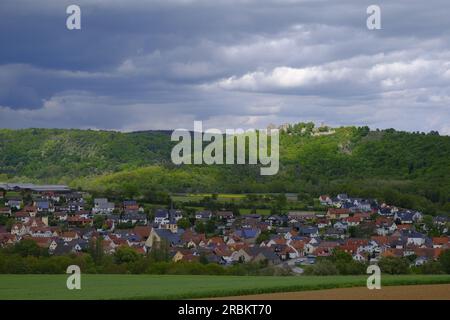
(161,64)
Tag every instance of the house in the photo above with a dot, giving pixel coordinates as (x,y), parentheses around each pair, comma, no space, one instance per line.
(277,220)
(297,216)
(43,206)
(14,203)
(130,205)
(363,205)
(6,239)
(359,257)
(161,216)
(5,211)
(310,248)
(309,231)
(224,253)
(78,220)
(414,237)
(249,235)
(241,256)
(19,229)
(224,215)
(340,225)
(158,235)
(134,218)
(325,200)
(79,245)
(68,236)
(325,248)
(362,215)
(263,255)
(323,223)
(203,215)
(195,240)
(420,261)
(164,216)
(75,206)
(334,233)
(216,241)
(352,221)
(102,206)
(338,213)
(185,255)
(142,231)
(60,247)
(440,220)
(22,216)
(297,244)
(275,240)
(41,232)
(60,216)
(291,233)
(407,217)
(385,211)
(441,242)
(342,197)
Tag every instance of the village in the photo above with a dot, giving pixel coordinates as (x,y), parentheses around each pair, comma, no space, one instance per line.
(61,221)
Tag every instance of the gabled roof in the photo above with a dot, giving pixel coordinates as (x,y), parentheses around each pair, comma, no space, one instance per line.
(142,231)
(169,236)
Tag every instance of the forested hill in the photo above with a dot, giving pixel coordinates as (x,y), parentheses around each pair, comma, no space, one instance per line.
(411,169)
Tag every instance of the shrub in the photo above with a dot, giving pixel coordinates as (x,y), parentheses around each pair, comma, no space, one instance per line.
(394,265)
(322,268)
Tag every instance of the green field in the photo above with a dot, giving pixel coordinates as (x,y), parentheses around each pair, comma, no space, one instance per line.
(182,287)
(223,197)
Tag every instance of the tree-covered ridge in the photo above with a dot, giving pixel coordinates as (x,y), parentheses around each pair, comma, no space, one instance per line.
(57,155)
(408,169)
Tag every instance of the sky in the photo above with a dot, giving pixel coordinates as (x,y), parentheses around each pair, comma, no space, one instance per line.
(162,64)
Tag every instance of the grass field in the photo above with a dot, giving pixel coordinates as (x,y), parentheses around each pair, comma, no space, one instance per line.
(223,197)
(182,287)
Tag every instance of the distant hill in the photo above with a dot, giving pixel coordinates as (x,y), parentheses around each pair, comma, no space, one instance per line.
(410,169)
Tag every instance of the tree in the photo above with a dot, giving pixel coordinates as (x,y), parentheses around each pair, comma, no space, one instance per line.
(126,255)
(27,247)
(184,223)
(322,267)
(263,236)
(394,265)
(352,230)
(210,226)
(203,259)
(99,220)
(160,251)
(199,227)
(339,255)
(96,250)
(444,259)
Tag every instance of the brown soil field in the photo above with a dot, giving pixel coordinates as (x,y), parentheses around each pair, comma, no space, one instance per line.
(417,292)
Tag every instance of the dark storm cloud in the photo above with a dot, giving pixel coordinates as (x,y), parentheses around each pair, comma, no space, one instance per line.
(164,63)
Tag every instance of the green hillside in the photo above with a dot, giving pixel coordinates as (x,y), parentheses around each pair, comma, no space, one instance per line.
(408,169)
(56,155)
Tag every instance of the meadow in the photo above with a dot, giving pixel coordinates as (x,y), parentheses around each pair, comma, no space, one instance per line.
(183,286)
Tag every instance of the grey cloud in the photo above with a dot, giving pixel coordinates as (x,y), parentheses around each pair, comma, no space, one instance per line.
(161,64)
